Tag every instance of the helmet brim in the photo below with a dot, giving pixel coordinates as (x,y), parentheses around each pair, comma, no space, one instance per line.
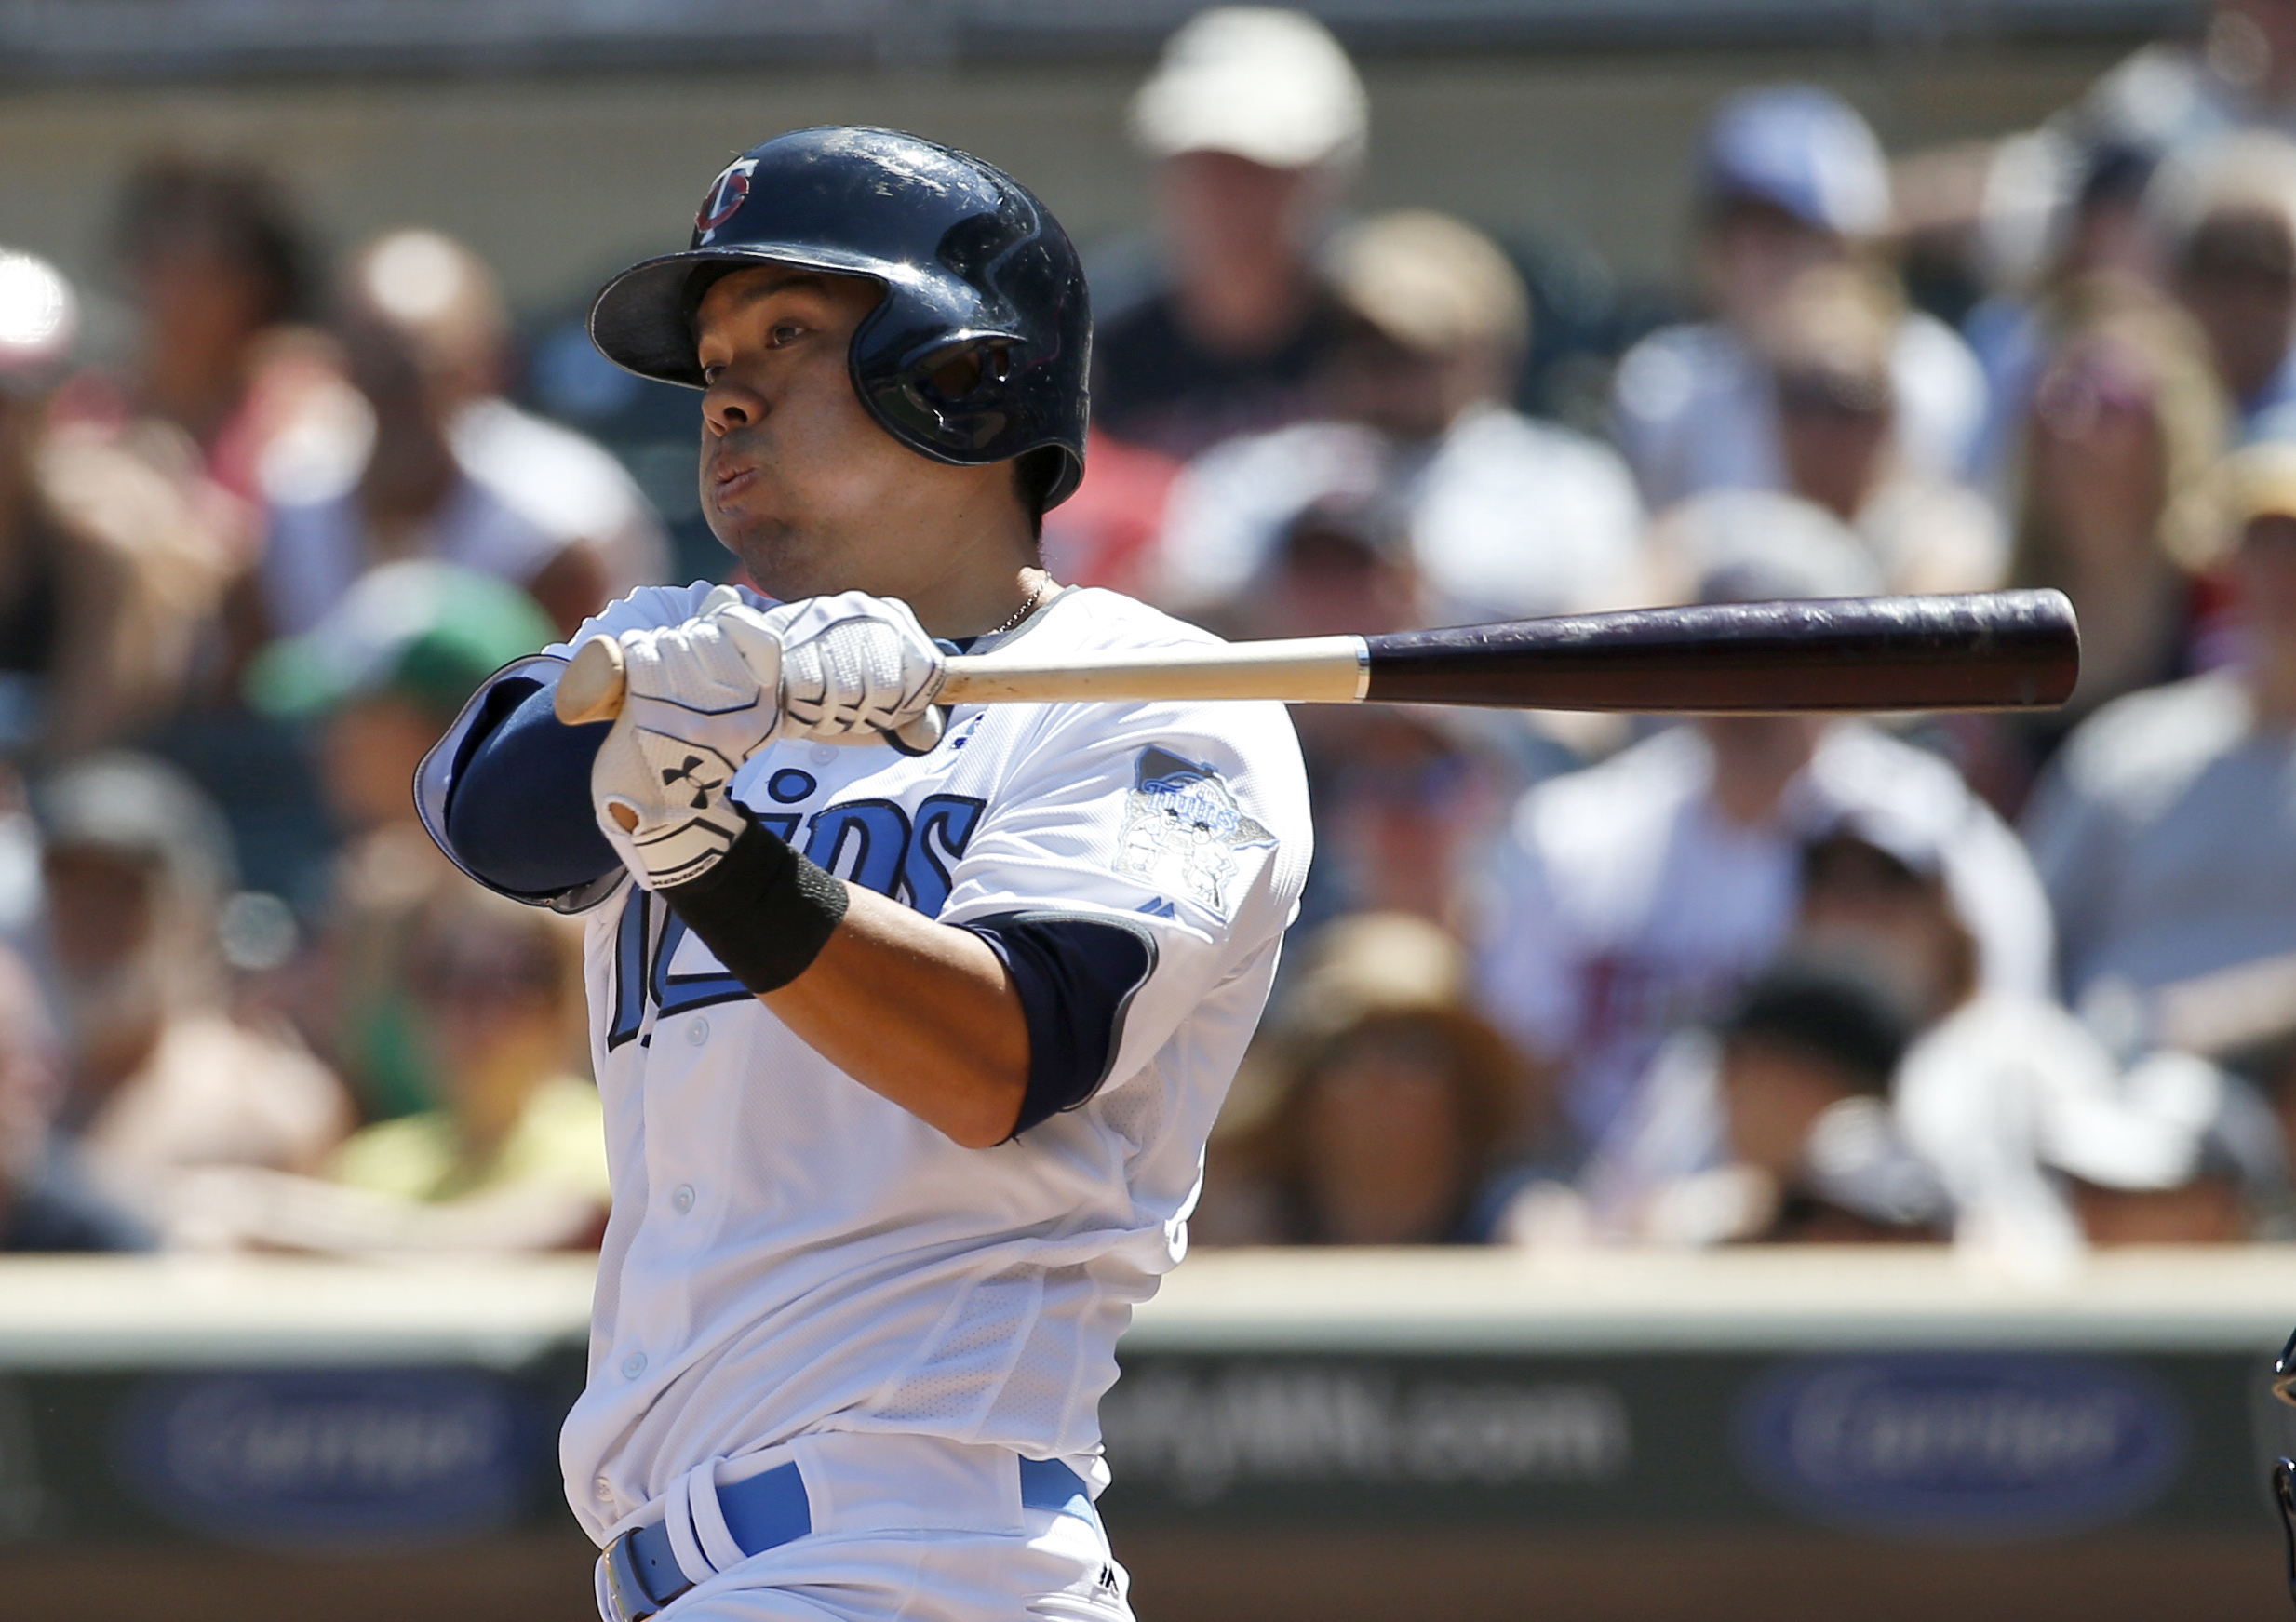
(643,319)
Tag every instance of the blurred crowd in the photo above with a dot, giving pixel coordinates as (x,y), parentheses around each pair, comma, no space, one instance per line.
(2023,984)
(253,560)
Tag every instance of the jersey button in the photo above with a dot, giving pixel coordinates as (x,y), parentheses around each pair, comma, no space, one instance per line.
(633,1366)
(683,1198)
(602,1487)
(697,1031)
(823,755)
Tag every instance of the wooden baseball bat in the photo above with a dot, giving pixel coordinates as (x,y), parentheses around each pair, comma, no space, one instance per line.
(2009,650)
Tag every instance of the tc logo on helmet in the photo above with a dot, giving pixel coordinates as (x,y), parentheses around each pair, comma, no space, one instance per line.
(726,197)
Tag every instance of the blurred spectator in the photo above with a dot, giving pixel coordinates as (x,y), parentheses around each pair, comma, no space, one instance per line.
(1828,346)
(2048,1143)
(388,669)
(219,268)
(500,986)
(513,1154)
(2041,1138)
(432,462)
(1375,1106)
(1105,533)
(383,675)
(2102,227)
(2176,95)
(1504,517)
(2165,831)
(47,1201)
(1719,1141)
(108,570)
(137,867)
(1340,564)
(1638,897)
(2057,201)
(1773,1123)
(2006,1121)
(1255,121)
(1403,798)
(2206,1165)
(1790,177)
(2227,219)
(19,863)
(2044,208)
(2125,422)
(1405,805)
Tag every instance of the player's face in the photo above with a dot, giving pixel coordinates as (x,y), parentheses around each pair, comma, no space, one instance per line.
(797,479)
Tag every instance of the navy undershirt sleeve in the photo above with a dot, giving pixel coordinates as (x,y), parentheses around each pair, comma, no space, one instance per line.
(519,817)
(1076,977)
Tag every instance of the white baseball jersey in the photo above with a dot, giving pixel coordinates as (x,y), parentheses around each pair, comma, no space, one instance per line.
(791,1253)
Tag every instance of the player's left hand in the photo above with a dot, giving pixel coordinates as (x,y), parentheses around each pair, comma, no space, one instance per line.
(696,704)
(852,666)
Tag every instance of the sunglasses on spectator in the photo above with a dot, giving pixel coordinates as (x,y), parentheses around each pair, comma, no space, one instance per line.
(1835,397)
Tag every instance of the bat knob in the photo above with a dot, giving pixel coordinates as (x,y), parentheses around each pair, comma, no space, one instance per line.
(594,683)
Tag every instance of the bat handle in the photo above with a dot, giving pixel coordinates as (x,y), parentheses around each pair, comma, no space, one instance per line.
(596,681)
(592,688)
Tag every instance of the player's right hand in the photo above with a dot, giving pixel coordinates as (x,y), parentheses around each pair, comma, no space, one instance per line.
(852,666)
(696,706)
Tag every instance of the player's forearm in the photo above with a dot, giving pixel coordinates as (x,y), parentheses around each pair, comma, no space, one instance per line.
(922,1013)
(918,1013)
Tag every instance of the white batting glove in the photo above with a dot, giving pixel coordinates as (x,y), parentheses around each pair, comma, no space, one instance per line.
(852,666)
(696,706)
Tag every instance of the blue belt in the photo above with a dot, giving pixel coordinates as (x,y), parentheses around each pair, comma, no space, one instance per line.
(769,1509)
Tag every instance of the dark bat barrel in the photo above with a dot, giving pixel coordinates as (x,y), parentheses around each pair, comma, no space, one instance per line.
(2012,650)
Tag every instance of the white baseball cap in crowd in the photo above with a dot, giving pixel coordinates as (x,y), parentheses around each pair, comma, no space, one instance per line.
(1749,545)
(2107,1135)
(2172,1117)
(39,321)
(1256,82)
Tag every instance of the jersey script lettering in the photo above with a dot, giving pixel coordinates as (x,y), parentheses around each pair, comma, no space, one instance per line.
(873,843)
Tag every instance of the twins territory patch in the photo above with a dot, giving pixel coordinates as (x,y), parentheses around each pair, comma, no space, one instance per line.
(1182,829)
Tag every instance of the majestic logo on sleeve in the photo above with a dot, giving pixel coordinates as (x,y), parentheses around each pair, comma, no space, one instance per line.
(1182,828)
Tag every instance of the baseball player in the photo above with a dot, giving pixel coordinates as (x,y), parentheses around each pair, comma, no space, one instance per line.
(909,1024)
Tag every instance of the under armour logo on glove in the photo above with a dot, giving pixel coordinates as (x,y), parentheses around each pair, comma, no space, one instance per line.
(687,771)
(696,707)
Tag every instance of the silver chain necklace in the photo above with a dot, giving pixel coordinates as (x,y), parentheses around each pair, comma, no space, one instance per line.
(1022,612)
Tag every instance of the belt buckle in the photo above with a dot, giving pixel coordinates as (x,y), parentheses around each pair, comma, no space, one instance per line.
(625,1587)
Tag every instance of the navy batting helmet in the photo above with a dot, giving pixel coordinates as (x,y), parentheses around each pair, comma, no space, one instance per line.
(972,265)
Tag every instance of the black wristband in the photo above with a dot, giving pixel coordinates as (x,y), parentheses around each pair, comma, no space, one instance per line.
(764,909)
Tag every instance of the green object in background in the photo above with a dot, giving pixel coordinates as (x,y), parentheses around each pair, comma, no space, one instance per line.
(390,1066)
(558,1142)
(431,632)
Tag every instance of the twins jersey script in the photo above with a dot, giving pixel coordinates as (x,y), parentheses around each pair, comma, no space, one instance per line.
(788,1252)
